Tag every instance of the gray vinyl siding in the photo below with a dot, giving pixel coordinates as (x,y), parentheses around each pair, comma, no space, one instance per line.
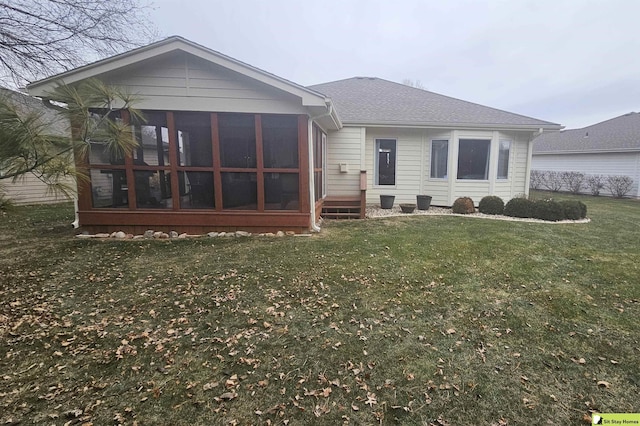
(344,146)
(613,163)
(183,82)
(30,190)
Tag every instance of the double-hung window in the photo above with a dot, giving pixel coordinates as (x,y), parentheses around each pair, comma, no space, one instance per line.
(439,159)
(503,159)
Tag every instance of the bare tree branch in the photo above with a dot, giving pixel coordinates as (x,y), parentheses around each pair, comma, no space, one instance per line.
(39,38)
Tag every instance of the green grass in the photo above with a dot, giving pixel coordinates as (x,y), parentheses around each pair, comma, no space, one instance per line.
(420,320)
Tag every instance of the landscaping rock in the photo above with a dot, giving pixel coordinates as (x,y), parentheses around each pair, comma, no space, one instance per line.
(290,233)
(157,234)
(85,236)
(243,234)
(269,234)
(148,233)
(173,234)
(183,235)
(212,234)
(279,234)
(102,235)
(138,237)
(113,235)
(221,234)
(120,235)
(164,235)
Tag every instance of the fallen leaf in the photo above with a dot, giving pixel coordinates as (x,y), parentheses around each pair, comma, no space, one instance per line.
(228,396)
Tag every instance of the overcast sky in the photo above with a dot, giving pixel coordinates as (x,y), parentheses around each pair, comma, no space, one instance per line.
(573,62)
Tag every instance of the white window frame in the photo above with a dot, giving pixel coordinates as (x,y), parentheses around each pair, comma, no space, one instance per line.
(376,176)
(498,177)
(324,164)
(446,175)
(488,163)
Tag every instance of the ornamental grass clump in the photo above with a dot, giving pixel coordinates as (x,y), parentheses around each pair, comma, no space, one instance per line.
(491,204)
(463,205)
(519,207)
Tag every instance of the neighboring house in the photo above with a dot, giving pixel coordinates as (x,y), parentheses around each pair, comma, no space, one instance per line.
(228,146)
(28,189)
(611,147)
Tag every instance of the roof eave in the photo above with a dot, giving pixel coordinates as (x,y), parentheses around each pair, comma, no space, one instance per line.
(422,125)
(588,151)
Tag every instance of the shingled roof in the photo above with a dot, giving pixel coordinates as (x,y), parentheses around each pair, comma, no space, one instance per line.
(374,101)
(617,134)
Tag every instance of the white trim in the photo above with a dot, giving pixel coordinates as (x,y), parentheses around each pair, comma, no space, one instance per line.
(489,168)
(589,151)
(311,172)
(436,179)
(323,142)
(452,126)
(509,171)
(452,169)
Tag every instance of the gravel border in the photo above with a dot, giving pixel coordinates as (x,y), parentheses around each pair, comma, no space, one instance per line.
(375,212)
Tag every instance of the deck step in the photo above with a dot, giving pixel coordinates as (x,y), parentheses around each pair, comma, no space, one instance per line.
(341,208)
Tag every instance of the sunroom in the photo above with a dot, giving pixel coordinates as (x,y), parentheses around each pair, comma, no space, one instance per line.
(223,146)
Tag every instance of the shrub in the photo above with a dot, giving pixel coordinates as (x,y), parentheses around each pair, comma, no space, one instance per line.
(571,210)
(619,186)
(547,210)
(518,207)
(463,205)
(5,203)
(573,181)
(553,181)
(583,209)
(491,204)
(536,179)
(595,184)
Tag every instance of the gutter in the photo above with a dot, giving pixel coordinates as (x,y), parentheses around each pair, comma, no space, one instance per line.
(453,126)
(588,151)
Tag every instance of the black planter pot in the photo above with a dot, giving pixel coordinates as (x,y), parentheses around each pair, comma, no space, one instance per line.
(424,202)
(407,208)
(386,201)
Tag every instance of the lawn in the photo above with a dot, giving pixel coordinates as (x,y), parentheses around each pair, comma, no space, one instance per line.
(420,320)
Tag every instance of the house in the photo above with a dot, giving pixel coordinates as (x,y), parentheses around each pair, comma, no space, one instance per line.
(228,146)
(28,189)
(611,147)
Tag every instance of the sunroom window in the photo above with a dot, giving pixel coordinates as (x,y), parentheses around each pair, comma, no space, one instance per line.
(503,159)
(473,159)
(439,159)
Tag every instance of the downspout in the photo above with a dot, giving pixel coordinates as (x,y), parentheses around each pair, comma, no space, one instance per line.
(312,186)
(76,223)
(527,180)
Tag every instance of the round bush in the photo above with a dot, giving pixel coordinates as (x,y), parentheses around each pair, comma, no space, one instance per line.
(583,209)
(519,207)
(463,205)
(548,210)
(571,210)
(491,204)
